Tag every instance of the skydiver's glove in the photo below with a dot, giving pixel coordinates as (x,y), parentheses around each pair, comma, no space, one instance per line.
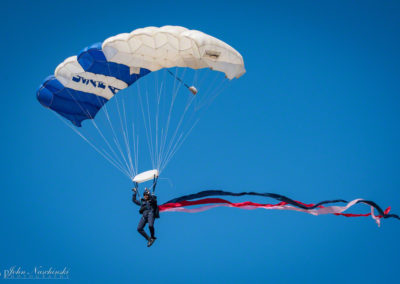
(134,190)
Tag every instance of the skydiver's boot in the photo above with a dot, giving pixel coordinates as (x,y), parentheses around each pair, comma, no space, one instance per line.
(150,242)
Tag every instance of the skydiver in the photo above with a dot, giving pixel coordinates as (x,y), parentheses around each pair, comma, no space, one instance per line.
(149,210)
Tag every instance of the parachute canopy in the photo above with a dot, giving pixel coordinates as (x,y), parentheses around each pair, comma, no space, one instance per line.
(82,84)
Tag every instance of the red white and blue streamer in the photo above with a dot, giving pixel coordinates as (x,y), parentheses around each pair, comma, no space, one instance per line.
(209,199)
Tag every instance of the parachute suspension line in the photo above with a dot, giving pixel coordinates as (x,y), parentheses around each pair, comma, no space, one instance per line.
(179,143)
(174,96)
(135,148)
(128,146)
(116,140)
(157,97)
(156,93)
(136,151)
(211,85)
(134,165)
(115,137)
(158,100)
(148,124)
(145,123)
(160,145)
(201,82)
(124,132)
(206,97)
(97,128)
(175,90)
(118,147)
(150,128)
(164,130)
(177,146)
(172,143)
(211,96)
(104,154)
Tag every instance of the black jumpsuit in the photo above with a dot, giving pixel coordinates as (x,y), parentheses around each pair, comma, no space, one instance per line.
(149,211)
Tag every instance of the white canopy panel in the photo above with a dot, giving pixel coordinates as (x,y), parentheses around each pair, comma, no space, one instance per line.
(173,46)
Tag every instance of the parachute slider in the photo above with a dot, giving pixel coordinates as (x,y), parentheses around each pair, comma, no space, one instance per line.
(145,176)
(193,90)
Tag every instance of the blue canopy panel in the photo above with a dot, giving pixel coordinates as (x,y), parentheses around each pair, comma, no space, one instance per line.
(76,105)
(92,59)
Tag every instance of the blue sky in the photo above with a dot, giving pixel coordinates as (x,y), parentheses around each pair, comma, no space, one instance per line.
(315,117)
